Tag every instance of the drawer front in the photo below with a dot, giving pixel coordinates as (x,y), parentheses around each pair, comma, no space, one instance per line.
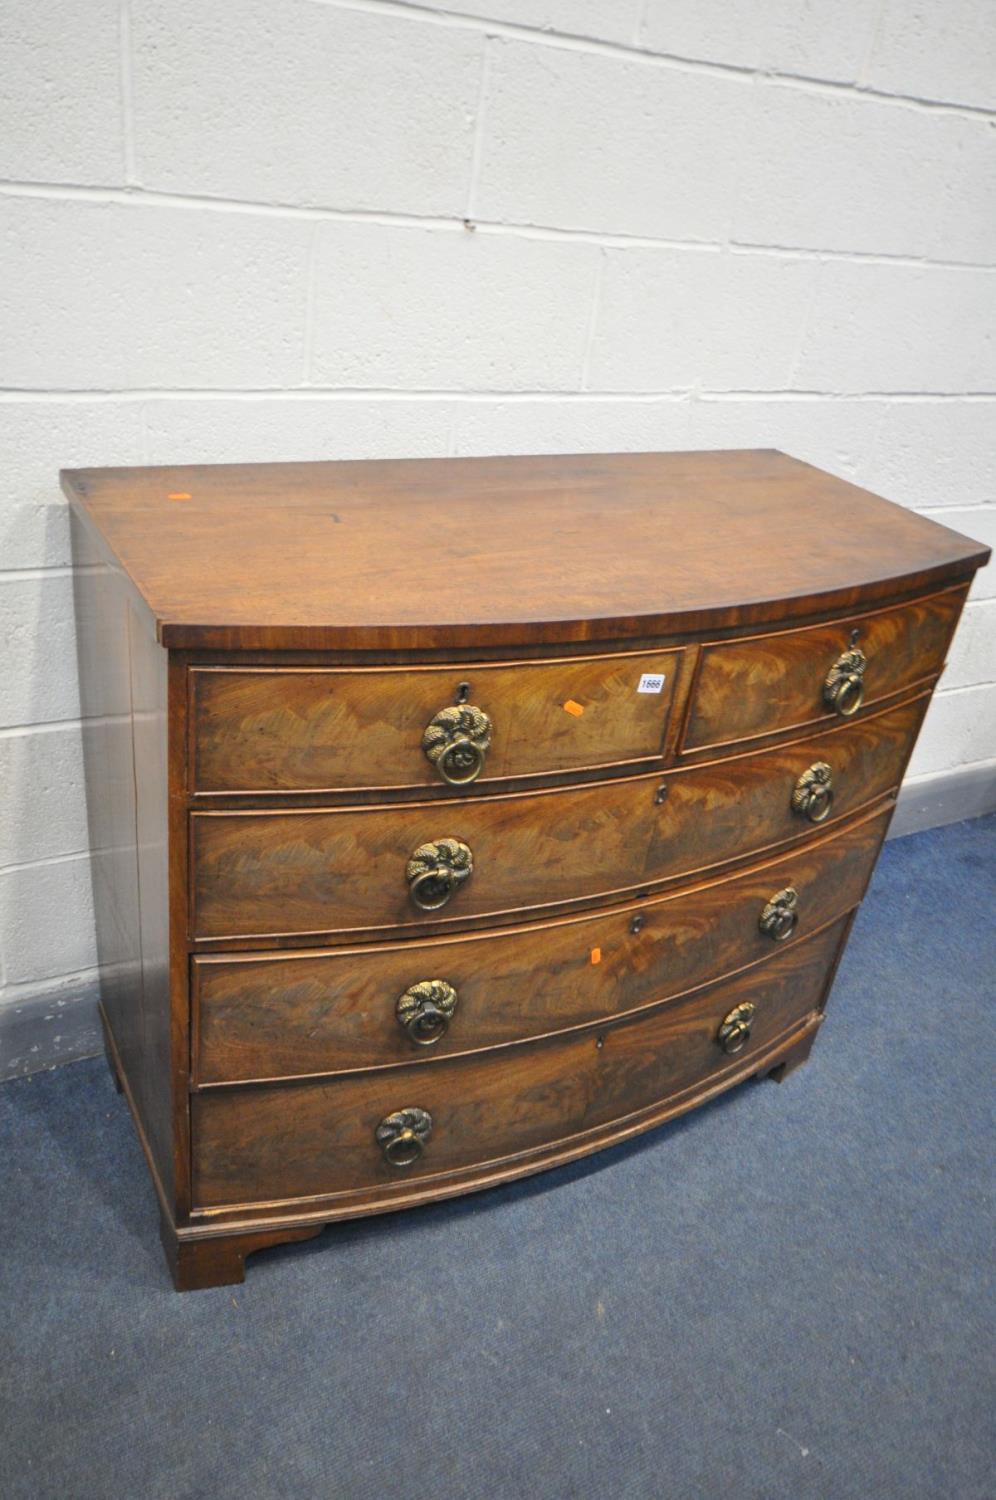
(265,1017)
(299,1140)
(336,729)
(268,874)
(772,683)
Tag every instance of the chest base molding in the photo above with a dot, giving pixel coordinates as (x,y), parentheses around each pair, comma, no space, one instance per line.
(212,1254)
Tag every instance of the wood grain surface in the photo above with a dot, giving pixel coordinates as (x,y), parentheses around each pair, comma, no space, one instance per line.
(221,1259)
(260,1144)
(749,688)
(341,871)
(299,729)
(264,1016)
(491,551)
(123,698)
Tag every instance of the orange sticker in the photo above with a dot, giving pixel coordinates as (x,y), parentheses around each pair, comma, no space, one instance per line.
(570,707)
(180,495)
(596,955)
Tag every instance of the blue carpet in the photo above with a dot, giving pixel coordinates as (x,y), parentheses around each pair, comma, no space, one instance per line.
(783,1295)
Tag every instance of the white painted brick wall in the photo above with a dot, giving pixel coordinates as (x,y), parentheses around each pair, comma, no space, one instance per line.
(448,309)
(804,39)
(943,51)
(583,141)
(237,231)
(923,188)
(34,521)
(60,100)
(303,103)
(606,20)
(699,319)
(110,296)
(877,326)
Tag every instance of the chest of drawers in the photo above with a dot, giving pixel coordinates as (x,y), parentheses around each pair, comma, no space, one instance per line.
(452,819)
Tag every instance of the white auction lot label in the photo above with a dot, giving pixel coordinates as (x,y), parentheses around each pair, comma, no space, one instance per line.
(651,682)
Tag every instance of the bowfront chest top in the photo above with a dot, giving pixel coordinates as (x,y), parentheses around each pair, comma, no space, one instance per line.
(454,818)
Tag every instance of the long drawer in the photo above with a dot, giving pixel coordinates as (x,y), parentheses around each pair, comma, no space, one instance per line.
(305,1140)
(768,684)
(295,729)
(343,871)
(265,1016)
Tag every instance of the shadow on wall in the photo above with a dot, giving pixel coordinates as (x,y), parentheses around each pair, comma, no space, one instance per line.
(59,855)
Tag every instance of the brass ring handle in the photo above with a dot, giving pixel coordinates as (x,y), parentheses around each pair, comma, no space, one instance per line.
(844,688)
(425,1010)
(734,1032)
(456,741)
(436,870)
(402,1136)
(780,916)
(812,795)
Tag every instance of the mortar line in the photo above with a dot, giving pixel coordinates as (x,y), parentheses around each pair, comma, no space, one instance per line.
(805,321)
(72,856)
(7,990)
(940,510)
(566,41)
(963,765)
(311,274)
(57,570)
(146,440)
(968,687)
(57,726)
(127,92)
(28,989)
(640,26)
(477,151)
(188,202)
(873,41)
(28,395)
(593,312)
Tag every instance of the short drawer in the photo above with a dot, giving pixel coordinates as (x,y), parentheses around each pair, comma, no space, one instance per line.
(340,871)
(768,684)
(291,1015)
(340,729)
(309,1140)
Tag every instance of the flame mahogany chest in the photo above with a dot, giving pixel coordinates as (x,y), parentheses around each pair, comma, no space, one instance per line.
(455,818)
